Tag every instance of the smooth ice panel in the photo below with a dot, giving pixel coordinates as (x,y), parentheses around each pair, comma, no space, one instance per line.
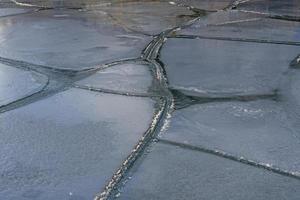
(131,78)
(274,7)
(16,83)
(259,130)
(239,25)
(226,67)
(69,145)
(170,172)
(12,11)
(67,39)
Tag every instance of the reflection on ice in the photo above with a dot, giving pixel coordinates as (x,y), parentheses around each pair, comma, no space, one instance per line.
(230,104)
(126,78)
(16,83)
(67,39)
(71,142)
(12,11)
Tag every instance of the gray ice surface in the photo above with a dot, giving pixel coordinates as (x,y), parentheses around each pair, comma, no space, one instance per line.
(126,77)
(235,24)
(94,4)
(68,146)
(149,17)
(210,5)
(17,83)
(12,11)
(259,130)
(72,4)
(170,172)
(67,39)
(274,7)
(222,68)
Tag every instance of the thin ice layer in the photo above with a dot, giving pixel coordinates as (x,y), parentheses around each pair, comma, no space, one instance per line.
(148,17)
(259,130)
(235,24)
(226,67)
(210,5)
(170,172)
(16,83)
(68,146)
(67,39)
(127,77)
(12,11)
(274,7)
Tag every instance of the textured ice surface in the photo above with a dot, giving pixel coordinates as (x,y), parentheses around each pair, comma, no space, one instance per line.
(206,4)
(259,130)
(223,17)
(16,83)
(203,4)
(127,77)
(170,172)
(277,7)
(67,146)
(234,24)
(225,67)
(148,17)
(290,90)
(237,96)
(50,3)
(67,39)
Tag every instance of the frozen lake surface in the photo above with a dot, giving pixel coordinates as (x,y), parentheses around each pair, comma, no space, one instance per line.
(149,99)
